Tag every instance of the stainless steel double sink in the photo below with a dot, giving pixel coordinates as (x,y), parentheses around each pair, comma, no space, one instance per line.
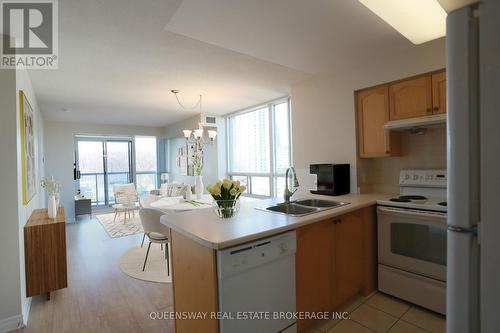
(303,207)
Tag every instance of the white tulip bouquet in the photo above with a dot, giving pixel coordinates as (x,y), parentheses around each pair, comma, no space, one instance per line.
(226,194)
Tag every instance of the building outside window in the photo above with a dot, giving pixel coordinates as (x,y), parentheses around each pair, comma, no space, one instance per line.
(146,164)
(259,148)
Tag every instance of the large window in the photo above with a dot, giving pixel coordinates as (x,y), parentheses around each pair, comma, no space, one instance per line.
(103,162)
(259,148)
(145,164)
(107,161)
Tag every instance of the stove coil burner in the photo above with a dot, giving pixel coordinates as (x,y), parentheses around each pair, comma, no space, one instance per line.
(413,197)
(399,200)
(416,199)
(410,198)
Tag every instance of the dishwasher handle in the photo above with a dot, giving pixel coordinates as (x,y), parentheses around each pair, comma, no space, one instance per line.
(237,259)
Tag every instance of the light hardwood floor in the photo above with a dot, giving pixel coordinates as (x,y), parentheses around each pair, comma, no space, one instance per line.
(99,297)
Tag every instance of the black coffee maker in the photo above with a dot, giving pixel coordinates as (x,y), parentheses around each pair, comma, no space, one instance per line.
(332,179)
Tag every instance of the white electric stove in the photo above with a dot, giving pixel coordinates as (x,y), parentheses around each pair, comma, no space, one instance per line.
(412,240)
(420,189)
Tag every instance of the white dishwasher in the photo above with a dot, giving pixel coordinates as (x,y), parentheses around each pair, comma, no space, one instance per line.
(257,286)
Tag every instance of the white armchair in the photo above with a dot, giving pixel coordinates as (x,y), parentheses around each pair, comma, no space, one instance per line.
(126,200)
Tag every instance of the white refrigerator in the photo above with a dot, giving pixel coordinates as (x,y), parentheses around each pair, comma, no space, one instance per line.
(473,96)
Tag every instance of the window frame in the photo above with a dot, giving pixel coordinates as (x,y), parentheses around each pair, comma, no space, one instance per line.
(273,174)
(155,173)
(132,160)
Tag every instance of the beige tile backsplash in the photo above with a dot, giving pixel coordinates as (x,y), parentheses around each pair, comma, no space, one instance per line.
(425,151)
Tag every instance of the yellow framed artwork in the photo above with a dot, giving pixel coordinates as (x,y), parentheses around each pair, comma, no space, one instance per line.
(27,148)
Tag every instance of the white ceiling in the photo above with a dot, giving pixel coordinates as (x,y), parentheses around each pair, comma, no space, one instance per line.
(119,59)
(314,36)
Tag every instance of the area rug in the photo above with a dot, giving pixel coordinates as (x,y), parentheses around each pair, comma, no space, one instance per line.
(156,267)
(119,229)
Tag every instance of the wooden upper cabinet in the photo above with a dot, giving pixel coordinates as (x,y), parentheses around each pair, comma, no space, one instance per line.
(411,98)
(372,114)
(439,92)
(415,97)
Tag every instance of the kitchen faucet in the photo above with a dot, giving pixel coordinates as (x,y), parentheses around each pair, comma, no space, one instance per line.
(289,191)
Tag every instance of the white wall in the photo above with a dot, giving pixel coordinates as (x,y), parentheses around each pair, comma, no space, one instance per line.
(23,82)
(60,150)
(175,130)
(10,304)
(14,306)
(323,118)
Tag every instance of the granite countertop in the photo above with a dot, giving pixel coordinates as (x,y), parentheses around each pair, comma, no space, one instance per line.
(250,224)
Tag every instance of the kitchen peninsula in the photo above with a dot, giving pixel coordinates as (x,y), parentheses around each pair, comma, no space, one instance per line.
(335,256)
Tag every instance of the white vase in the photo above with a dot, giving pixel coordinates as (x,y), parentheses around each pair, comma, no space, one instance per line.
(58,200)
(52,207)
(198,186)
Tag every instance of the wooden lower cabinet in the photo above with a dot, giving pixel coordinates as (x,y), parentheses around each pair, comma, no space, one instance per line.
(194,276)
(313,269)
(45,253)
(348,257)
(335,261)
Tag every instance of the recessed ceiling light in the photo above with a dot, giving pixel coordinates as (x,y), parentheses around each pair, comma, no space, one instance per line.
(418,20)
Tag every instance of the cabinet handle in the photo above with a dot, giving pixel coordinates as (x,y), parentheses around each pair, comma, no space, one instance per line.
(336,221)
(436,108)
(429,110)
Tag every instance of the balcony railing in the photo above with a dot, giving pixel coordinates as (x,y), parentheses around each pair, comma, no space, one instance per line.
(92,185)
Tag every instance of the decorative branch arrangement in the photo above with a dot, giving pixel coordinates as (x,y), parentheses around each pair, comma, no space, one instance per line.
(198,163)
(53,187)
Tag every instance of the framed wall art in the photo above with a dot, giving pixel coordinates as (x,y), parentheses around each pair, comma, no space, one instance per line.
(27,148)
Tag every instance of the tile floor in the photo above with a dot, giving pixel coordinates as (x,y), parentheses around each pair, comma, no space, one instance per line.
(382,313)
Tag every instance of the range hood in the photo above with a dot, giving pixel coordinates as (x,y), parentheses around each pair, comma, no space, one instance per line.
(420,122)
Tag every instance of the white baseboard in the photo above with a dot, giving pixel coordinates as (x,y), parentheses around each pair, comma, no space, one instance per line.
(11,323)
(18,321)
(26,310)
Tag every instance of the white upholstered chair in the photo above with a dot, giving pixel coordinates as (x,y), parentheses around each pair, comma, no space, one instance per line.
(155,231)
(145,202)
(126,200)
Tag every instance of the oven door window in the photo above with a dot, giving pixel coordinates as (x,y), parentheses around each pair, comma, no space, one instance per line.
(423,242)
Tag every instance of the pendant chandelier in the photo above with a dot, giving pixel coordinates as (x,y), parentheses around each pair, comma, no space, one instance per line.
(197,134)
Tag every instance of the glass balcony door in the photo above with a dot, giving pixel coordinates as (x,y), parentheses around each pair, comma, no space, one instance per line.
(102,164)
(117,164)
